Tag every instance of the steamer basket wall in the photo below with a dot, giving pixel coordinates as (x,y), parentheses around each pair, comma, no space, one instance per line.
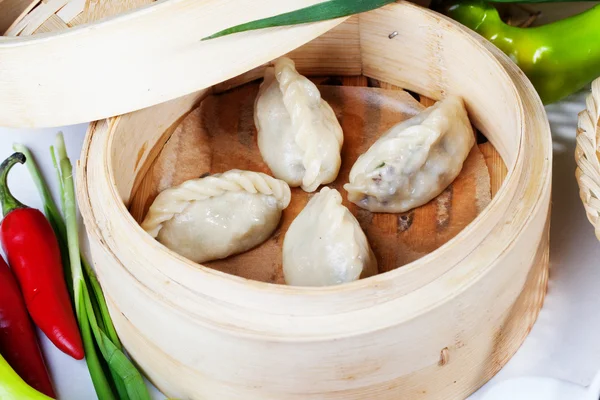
(437,328)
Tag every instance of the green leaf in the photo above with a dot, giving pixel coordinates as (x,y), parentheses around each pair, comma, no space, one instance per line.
(117,381)
(109,327)
(126,377)
(319,12)
(101,384)
(97,329)
(129,381)
(58,225)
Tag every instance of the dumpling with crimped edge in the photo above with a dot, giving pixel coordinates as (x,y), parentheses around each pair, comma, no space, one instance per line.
(414,161)
(299,136)
(325,245)
(219,215)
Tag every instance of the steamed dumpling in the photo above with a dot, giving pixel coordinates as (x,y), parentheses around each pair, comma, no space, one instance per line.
(217,216)
(414,161)
(299,136)
(325,244)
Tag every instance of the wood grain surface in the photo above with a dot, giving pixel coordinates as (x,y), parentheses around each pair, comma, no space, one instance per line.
(220,135)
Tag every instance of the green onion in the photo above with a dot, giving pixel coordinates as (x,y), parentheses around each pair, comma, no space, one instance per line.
(113,371)
(319,12)
(332,9)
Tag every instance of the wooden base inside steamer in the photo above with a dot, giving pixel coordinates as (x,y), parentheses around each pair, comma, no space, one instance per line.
(220,135)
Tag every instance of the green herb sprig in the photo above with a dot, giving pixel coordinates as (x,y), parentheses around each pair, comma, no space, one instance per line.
(319,12)
(331,9)
(114,376)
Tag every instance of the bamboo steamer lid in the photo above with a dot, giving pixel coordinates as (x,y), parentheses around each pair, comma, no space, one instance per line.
(113,59)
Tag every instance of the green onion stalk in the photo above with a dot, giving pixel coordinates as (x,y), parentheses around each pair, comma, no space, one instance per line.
(328,10)
(114,376)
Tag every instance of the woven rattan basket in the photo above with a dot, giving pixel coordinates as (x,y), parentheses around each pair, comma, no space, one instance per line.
(587,155)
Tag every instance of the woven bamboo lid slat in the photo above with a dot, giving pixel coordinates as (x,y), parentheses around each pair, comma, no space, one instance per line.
(587,157)
(56,15)
(130,61)
(12,10)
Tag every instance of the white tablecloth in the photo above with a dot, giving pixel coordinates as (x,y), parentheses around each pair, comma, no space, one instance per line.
(565,341)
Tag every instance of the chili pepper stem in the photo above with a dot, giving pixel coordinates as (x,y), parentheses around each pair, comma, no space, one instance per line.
(559,58)
(9,203)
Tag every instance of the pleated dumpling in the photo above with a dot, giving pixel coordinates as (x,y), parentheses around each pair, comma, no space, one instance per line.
(325,245)
(414,161)
(299,136)
(217,216)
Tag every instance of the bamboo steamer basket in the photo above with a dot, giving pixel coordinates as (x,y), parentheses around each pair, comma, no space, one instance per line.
(586,156)
(437,328)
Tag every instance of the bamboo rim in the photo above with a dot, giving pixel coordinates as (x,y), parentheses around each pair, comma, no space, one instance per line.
(124,63)
(527,103)
(587,157)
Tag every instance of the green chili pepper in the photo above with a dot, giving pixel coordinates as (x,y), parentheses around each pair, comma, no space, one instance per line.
(12,387)
(559,58)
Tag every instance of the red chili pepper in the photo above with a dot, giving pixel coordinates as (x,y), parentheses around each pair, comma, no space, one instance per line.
(33,253)
(18,342)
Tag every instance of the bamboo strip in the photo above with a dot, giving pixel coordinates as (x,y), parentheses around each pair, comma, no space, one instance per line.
(496,166)
(13,10)
(143,64)
(57,15)
(587,156)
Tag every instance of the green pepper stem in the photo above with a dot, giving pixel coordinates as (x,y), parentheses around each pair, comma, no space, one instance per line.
(8,201)
(559,58)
